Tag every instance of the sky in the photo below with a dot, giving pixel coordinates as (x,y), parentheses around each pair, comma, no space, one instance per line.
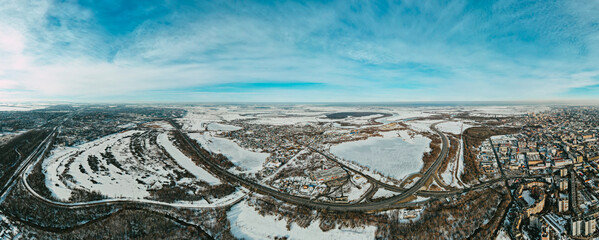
(288,51)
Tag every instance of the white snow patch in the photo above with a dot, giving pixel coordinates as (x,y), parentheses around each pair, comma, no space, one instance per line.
(502,235)
(356,193)
(244,158)
(249,224)
(384,193)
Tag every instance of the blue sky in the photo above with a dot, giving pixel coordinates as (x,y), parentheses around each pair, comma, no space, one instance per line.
(341,51)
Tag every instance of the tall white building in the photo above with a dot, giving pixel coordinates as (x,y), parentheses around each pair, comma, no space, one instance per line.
(590,225)
(576,227)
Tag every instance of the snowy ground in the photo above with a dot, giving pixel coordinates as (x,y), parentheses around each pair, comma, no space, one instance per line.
(248,224)
(221,127)
(198,117)
(391,154)
(404,115)
(6,136)
(185,161)
(249,160)
(506,110)
(502,235)
(88,166)
(8,230)
(112,183)
(360,186)
(384,193)
(453,127)
(422,125)
(449,176)
(20,107)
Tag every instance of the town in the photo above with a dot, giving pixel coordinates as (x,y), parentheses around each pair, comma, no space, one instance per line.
(552,169)
(379,173)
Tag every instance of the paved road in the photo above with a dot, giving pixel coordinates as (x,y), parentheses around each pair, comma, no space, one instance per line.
(393,202)
(500,166)
(369,178)
(140,202)
(371,206)
(24,164)
(389,203)
(390,187)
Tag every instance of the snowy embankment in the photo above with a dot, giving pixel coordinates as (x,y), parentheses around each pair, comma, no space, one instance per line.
(244,158)
(185,161)
(248,224)
(390,154)
(455,168)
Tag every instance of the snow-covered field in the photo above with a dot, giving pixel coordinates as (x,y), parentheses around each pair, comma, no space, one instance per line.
(249,160)
(422,125)
(112,182)
(185,161)
(248,224)
(20,107)
(390,154)
(108,166)
(403,115)
(221,127)
(453,127)
(198,117)
(506,110)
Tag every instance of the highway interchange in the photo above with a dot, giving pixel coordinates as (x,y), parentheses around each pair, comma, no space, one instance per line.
(398,201)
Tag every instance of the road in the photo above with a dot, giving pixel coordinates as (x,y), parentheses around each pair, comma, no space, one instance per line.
(500,166)
(141,202)
(24,164)
(369,178)
(389,203)
(384,185)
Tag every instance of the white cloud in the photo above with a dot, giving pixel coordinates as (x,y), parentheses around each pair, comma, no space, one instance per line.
(361,51)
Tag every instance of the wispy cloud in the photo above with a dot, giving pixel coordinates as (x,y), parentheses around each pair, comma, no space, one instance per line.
(291,51)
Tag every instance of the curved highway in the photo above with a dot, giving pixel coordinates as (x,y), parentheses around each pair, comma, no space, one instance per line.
(393,202)
(389,203)
(29,164)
